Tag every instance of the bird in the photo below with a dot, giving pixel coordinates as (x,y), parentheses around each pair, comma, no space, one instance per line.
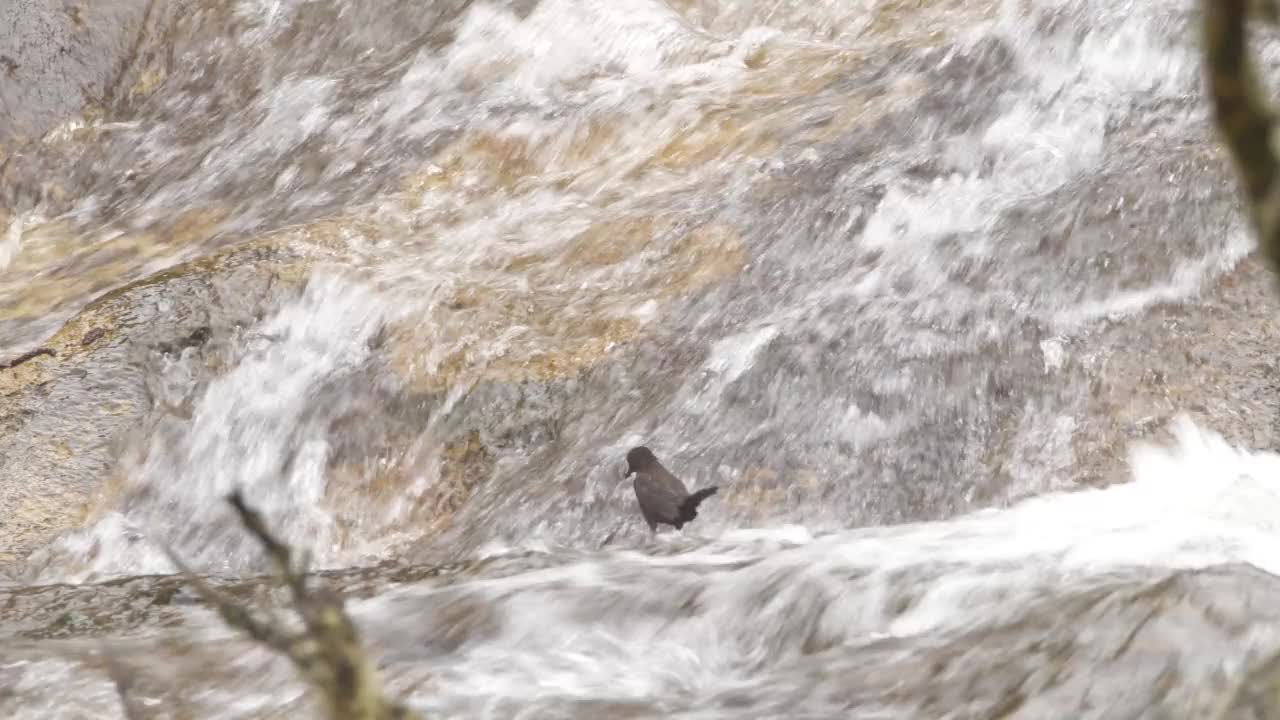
(663,498)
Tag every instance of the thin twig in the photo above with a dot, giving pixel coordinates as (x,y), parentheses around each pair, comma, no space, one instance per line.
(327,653)
(123,680)
(232,614)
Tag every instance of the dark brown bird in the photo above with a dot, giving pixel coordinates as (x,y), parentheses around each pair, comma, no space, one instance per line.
(663,498)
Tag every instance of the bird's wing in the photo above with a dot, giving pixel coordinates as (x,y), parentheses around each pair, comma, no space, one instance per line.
(674,484)
(657,499)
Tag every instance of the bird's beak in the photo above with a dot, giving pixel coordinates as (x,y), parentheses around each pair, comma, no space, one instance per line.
(626,472)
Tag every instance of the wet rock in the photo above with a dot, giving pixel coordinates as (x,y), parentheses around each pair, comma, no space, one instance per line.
(24,357)
(1134,645)
(1205,365)
(141,604)
(56,57)
(65,413)
(551,329)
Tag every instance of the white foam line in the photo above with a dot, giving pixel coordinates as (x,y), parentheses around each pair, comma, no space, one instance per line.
(1199,504)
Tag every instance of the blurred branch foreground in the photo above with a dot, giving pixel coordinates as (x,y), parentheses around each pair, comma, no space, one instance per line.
(1248,127)
(327,652)
(1244,119)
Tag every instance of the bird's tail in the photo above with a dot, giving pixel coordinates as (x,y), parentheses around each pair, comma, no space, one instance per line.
(689,508)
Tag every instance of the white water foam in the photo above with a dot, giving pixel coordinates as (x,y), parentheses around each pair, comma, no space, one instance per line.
(1041,142)
(735,613)
(630,626)
(249,430)
(1186,281)
(1198,503)
(11,241)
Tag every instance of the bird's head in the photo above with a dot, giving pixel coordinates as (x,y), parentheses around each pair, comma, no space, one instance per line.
(639,458)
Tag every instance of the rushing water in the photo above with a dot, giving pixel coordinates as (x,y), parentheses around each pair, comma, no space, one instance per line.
(907,280)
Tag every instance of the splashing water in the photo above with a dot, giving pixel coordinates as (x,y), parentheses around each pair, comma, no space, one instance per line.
(415,278)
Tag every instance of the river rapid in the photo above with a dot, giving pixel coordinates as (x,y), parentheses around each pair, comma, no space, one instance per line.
(953,300)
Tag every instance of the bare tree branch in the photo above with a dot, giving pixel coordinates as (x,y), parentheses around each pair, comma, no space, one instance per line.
(232,614)
(123,680)
(1244,119)
(327,653)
